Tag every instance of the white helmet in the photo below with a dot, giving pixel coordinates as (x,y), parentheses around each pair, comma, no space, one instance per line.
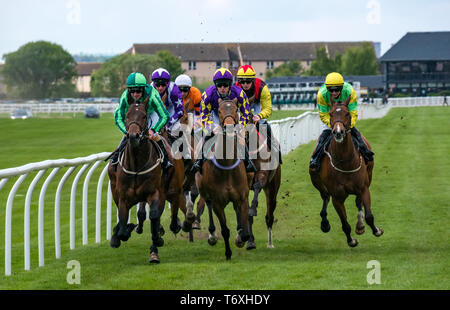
(183,80)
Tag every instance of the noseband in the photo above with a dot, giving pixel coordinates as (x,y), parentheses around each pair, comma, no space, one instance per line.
(142,132)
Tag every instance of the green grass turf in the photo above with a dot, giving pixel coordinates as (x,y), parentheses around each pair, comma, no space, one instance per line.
(410,201)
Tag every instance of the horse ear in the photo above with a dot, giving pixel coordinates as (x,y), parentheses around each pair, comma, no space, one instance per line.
(146,100)
(348,100)
(332,101)
(235,100)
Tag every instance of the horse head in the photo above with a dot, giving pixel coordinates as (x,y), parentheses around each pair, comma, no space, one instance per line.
(136,122)
(228,112)
(340,119)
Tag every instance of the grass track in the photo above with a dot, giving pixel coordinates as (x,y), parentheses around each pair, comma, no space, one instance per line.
(410,201)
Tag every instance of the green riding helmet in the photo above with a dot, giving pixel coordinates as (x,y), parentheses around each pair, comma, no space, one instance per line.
(136,79)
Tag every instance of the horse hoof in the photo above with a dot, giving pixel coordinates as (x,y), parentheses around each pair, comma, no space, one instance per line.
(154,258)
(325,226)
(212,240)
(196,225)
(131,227)
(238,241)
(360,231)
(251,245)
(160,242)
(186,226)
(161,231)
(353,243)
(270,246)
(115,242)
(175,228)
(139,230)
(379,232)
(190,217)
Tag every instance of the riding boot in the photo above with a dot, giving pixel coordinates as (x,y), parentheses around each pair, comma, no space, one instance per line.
(114,157)
(320,150)
(249,165)
(166,164)
(362,147)
(198,163)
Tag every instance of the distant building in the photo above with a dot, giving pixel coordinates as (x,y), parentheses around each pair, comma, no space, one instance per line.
(418,64)
(200,60)
(85,70)
(303,89)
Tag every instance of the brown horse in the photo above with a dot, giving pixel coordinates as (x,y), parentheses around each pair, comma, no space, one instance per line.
(172,191)
(344,172)
(224,181)
(267,178)
(137,178)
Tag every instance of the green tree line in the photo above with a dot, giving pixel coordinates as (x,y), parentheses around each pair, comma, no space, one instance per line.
(359,60)
(39,70)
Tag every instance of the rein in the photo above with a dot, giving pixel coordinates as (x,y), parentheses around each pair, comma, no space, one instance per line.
(158,161)
(344,171)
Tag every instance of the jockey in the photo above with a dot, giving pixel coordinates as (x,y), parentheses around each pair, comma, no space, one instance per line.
(259,97)
(137,91)
(223,90)
(339,90)
(191,98)
(171,98)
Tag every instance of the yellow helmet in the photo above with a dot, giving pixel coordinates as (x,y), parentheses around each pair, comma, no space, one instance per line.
(334,79)
(246,72)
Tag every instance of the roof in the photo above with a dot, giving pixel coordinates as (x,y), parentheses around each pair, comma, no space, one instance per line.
(370,81)
(249,51)
(86,68)
(420,46)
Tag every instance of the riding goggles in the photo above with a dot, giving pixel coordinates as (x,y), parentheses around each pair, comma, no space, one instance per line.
(334,89)
(161,83)
(245,81)
(184,89)
(222,84)
(135,90)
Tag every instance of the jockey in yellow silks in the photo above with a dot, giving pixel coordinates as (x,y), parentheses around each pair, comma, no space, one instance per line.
(339,90)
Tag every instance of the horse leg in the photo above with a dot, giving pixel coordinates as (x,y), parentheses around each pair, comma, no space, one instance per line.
(142,214)
(241,209)
(369,216)
(212,238)
(324,225)
(257,186)
(157,241)
(340,209)
(271,201)
(122,231)
(200,209)
(360,229)
(219,211)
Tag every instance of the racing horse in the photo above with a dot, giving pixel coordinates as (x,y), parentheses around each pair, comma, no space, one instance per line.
(172,191)
(225,180)
(267,178)
(344,172)
(137,178)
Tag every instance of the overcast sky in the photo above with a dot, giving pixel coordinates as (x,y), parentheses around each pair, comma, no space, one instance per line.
(112,26)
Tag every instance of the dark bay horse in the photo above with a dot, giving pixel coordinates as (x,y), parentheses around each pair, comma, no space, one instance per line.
(344,172)
(172,191)
(137,178)
(267,178)
(225,180)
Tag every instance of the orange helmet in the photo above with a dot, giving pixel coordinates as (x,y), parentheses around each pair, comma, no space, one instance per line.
(246,72)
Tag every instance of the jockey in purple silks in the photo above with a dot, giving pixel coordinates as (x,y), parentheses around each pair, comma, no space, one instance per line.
(211,97)
(172,99)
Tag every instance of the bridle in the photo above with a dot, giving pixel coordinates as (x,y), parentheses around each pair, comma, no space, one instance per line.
(143,133)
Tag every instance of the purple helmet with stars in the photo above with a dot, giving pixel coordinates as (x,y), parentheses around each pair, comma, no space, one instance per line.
(160,74)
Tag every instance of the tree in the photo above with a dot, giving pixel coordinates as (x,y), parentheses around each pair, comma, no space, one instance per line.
(289,68)
(323,64)
(360,60)
(39,70)
(110,79)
